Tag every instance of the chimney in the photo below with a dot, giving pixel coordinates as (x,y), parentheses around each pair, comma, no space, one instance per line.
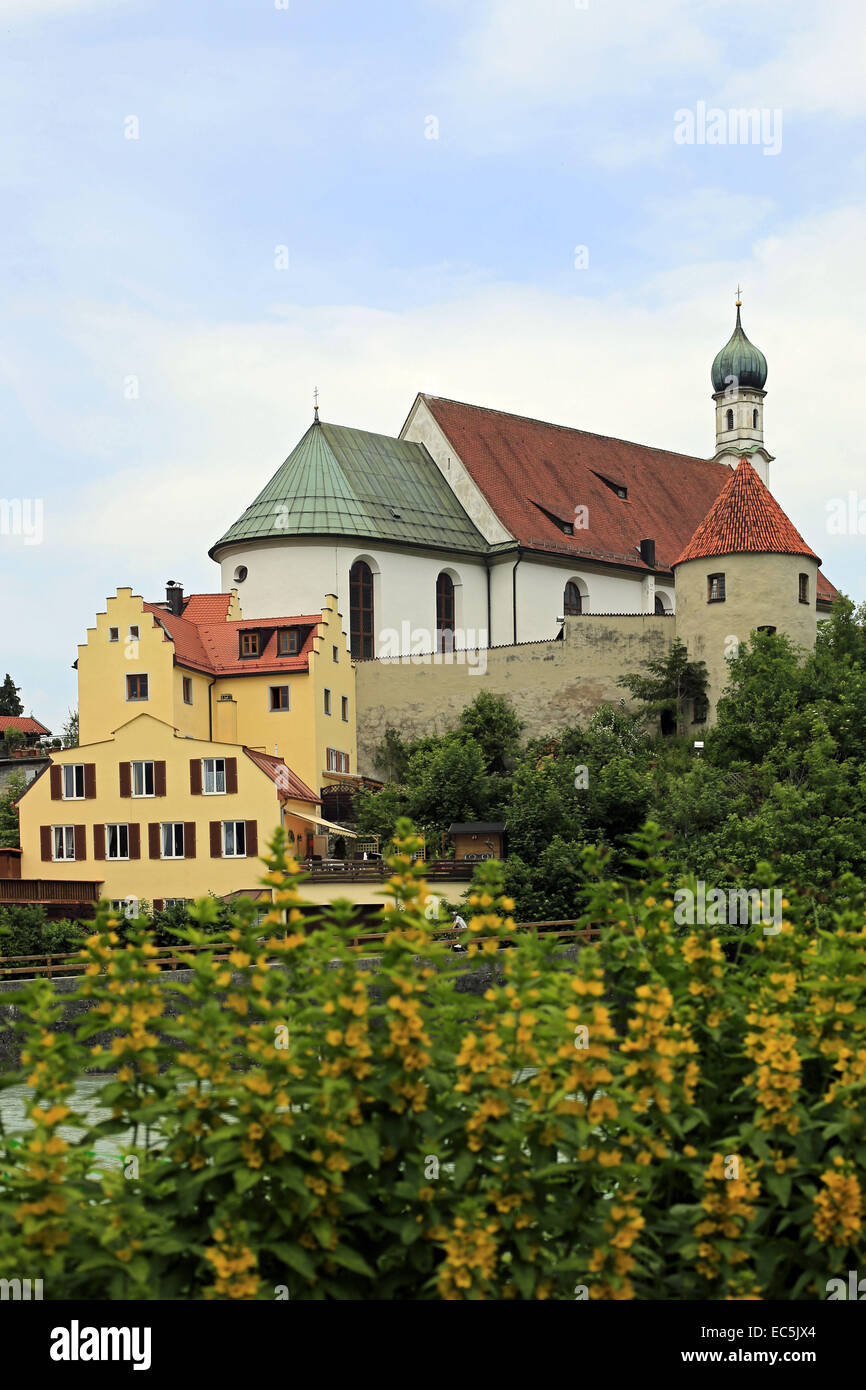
(174,597)
(648,553)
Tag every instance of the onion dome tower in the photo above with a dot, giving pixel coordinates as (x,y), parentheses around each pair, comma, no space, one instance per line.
(738,374)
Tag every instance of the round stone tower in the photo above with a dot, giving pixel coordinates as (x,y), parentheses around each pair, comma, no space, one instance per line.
(745,568)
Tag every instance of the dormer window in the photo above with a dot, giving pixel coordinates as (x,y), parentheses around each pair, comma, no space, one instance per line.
(287,641)
(250,643)
(715,588)
(619,489)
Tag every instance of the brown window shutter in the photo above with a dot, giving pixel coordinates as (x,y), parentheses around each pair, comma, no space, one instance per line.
(125,779)
(216,839)
(153,839)
(99,842)
(252,839)
(80,842)
(90,780)
(45,838)
(159,779)
(158,904)
(135,841)
(231,775)
(189,839)
(195,776)
(56,775)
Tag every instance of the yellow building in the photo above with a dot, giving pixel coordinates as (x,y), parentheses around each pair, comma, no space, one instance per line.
(199,733)
(285,685)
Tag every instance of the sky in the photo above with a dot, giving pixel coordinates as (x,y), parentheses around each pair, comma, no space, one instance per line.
(212,208)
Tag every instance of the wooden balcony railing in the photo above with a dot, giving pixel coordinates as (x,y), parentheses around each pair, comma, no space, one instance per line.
(49,890)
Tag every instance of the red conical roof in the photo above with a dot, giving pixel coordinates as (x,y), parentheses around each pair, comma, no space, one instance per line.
(745,518)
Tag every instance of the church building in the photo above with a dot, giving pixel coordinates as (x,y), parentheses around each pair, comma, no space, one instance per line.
(475,529)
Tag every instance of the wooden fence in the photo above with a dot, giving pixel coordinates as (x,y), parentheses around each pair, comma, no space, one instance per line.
(169,957)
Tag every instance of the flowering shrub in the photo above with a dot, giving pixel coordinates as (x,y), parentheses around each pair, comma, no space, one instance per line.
(668,1116)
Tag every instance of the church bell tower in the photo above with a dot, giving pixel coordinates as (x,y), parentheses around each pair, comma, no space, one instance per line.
(739,372)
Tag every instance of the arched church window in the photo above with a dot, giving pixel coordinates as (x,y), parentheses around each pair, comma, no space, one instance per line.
(730,419)
(361,610)
(444,613)
(754,419)
(572,600)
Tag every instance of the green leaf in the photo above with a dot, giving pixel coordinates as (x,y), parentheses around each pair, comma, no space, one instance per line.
(295,1256)
(463,1166)
(350,1259)
(245,1178)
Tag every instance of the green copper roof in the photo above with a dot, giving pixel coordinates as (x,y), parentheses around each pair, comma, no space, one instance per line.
(741,359)
(345,482)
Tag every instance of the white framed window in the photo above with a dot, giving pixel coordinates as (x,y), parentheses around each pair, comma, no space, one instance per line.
(187,690)
(113,634)
(174,902)
(344,706)
(142,779)
(172,839)
(63,841)
(117,841)
(234,839)
(73,782)
(213,776)
(337,761)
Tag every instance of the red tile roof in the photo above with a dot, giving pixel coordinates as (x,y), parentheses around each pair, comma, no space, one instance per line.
(291,788)
(213,645)
(745,518)
(23,723)
(207,608)
(527,468)
(523,465)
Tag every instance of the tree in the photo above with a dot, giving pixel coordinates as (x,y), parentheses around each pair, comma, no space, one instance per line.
(672,681)
(9,697)
(447,783)
(392,756)
(491,721)
(70,729)
(9,834)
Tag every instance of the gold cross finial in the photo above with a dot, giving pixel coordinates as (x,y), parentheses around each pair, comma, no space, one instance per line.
(739,301)
(316,401)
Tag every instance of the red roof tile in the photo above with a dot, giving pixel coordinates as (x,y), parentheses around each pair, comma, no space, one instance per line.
(213,645)
(207,608)
(291,788)
(745,518)
(523,465)
(23,723)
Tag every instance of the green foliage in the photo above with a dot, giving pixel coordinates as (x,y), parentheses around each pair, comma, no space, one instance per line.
(663,1117)
(10,702)
(9,832)
(672,684)
(494,726)
(70,729)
